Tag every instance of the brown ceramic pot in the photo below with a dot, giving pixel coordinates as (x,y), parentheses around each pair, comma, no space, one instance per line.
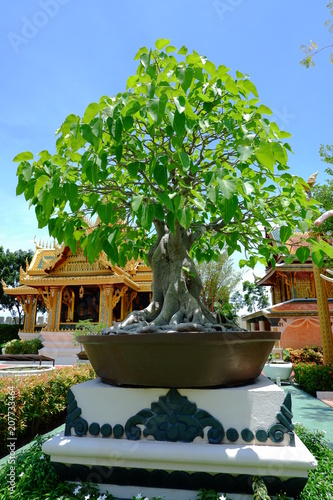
(188,359)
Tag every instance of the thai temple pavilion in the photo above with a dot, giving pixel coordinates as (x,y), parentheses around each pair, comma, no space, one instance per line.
(71,289)
(294,310)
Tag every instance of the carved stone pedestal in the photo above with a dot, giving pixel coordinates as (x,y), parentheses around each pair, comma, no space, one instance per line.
(172,442)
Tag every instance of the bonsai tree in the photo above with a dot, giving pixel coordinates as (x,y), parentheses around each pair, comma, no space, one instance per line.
(181,165)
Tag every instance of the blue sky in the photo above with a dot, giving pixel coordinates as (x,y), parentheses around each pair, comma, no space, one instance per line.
(57,56)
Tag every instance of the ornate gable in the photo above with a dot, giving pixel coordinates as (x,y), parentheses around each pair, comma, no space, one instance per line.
(69,264)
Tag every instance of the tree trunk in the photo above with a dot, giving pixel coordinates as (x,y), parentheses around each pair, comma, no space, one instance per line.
(176,288)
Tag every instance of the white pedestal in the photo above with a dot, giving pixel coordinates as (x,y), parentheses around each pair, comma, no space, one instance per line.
(134,440)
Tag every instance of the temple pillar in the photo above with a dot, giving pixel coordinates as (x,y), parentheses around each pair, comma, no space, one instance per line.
(324,316)
(54,309)
(106,308)
(29,304)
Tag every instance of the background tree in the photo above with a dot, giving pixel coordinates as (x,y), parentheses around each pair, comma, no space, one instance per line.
(254,297)
(323,193)
(10,264)
(181,165)
(312,48)
(219,280)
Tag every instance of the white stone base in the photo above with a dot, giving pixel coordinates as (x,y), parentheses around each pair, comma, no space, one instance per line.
(135,443)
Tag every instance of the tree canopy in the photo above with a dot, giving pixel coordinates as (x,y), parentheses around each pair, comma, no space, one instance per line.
(323,193)
(254,297)
(183,164)
(186,145)
(10,264)
(219,280)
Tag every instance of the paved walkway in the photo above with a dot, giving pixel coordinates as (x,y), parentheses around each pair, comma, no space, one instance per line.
(311,412)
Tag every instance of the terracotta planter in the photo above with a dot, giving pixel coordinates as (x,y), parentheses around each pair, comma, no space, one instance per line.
(179,359)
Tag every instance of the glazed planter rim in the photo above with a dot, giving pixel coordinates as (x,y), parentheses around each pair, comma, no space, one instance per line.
(179,359)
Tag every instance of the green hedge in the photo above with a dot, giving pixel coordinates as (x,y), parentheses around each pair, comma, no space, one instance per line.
(8,332)
(39,403)
(17,346)
(312,378)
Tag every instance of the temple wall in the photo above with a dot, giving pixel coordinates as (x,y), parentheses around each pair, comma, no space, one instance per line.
(300,332)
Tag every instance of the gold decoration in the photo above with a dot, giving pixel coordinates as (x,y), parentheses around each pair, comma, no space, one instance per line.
(118,294)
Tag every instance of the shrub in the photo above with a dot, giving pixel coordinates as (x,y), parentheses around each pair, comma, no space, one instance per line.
(306,355)
(320,482)
(40,401)
(8,332)
(23,346)
(13,347)
(312,377)
(86,327)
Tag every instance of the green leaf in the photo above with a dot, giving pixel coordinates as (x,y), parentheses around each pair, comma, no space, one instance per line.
(184,216)
(133,168)
(161,43)
(265,156)
(27,155)
(318,257)
(131,81)
(105,212)
(47,204)
(303,225)
(326,248)
(179,124)
(128,122)
(182,51)
(90,112)
(279,153)
(91,169)
(212,195)
(199,203)
(180,103)
(170,48)
(171,221)
(231,86)
(185,160)
(156,108)
(285,233)
(88,134)
(303,253)
(228,208)
(161,175)
(111,251)
(244,152)
(251,87)
(26,171)
(115,128)
(184,76)
(264,110)
(136,202)
(142,50)
(41,181)
(119,152)
(227,186)
(146,215)
(159,212)
(165,200)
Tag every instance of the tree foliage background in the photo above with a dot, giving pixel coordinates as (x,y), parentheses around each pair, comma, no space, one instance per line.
(10,264)
(219,279)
